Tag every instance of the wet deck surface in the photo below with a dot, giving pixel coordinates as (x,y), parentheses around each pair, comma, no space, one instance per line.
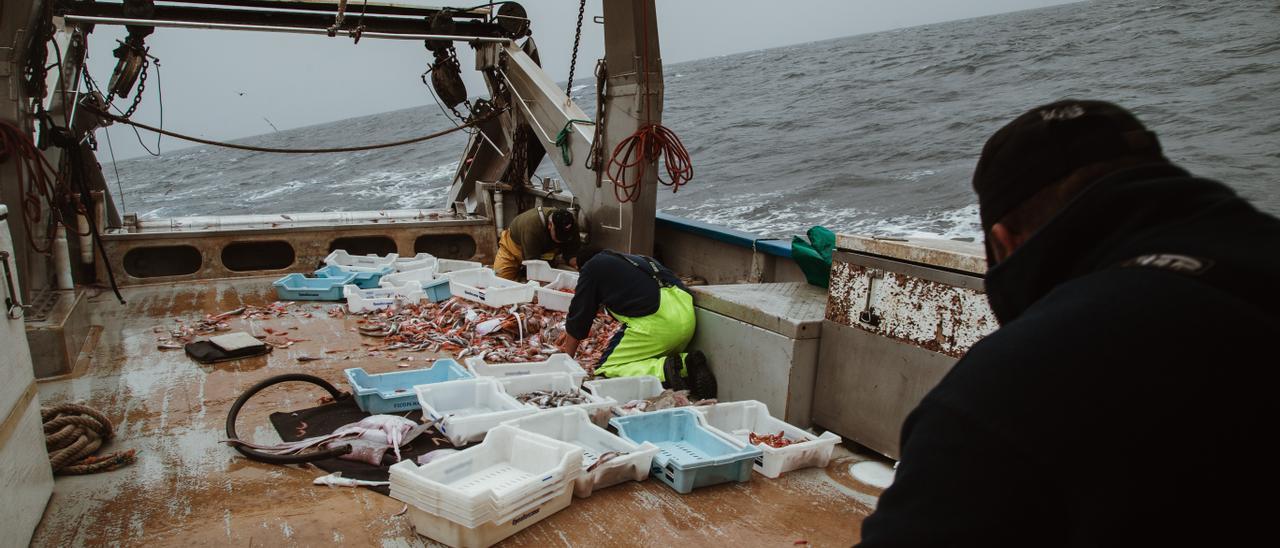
(188,489)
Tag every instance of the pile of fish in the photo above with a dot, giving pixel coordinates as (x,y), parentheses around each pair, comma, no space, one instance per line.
(776,441)
(547,399)
(519,333)
(174,338)
(668,399)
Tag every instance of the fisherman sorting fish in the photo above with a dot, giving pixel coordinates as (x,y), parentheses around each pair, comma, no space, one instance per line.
(656,312)
(539,233)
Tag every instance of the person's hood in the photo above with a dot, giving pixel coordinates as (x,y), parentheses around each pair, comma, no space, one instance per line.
(1151,216)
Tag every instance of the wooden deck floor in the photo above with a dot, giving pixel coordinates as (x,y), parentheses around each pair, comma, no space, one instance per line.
(188,489)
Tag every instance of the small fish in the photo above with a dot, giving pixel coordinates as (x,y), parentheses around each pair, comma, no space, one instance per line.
(308,358)
(336,480)
(605,457)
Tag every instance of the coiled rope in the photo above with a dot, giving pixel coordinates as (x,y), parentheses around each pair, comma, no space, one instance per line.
(72,433)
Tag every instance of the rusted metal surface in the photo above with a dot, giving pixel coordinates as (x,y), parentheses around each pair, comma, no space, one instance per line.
(189,489)
(950,254)
(310,244)
(925,313)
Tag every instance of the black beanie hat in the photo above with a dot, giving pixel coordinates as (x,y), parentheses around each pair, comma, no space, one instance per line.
(563,221)
(1048,143)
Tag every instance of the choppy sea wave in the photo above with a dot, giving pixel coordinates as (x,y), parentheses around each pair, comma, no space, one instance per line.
(875,134)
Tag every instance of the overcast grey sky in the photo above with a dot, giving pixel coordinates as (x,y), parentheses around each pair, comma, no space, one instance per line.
(222,85)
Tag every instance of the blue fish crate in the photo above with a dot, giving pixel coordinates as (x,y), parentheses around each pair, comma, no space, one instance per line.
(364,279)
(296,287)
(393,392)
(689,455)
(437,290)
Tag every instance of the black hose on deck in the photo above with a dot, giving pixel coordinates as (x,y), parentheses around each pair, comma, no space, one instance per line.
(283,459)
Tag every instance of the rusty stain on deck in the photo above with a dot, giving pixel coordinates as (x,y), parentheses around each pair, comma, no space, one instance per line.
(189,489)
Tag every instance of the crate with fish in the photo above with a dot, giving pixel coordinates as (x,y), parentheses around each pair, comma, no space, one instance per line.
(421,261)
(368,300)
(296,287)
(340,257)
(468,408)
(541,271)
(483,494)
(449,266)
(690,455)
(484,287)
(551,390)
(558,294)
(785,447)
(364,278)
(555,363)
(393,392)
(607,459)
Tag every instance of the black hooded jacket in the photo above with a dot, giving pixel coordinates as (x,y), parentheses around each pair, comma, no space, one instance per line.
(1127,398)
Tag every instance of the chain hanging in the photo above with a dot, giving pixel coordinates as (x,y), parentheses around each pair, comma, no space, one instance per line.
(577,39)
(142,85)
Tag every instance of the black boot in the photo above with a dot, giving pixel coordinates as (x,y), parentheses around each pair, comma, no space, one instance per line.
(671,370)
(702,383)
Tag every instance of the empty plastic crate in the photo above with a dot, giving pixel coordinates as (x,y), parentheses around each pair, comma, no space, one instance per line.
(554,382)
(735,421)
(573,425)
(444,266)
(393,392)
(483,494)
(421,261)
(367,300)
(625,389)
(483,286)
(296,287)
(554,363)
(690,455)
(340,257)
(468,408)
(364,279)
(541,271)
(423,276)
(444,530)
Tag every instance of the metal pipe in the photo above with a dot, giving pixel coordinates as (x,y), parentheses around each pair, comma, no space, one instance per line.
(86,237)
(286,30)
(330,217)
(62,258)
(497,211)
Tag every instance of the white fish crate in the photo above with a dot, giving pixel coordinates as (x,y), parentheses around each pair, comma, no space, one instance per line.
(445,266)
(735,421)
(555,363)
(368,300)
(423,276)
(630,462)
(421,261)
(444,530)
(360,263)
(553,382)
(468,408)
(625,389)
(553,296)
(484,287)
(541,271)
(511,470)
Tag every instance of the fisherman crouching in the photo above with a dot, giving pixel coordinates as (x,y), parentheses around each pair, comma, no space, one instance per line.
(539,233)
(1126,396)
(656,312)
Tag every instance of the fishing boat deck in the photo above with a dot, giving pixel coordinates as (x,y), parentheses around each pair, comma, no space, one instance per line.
(187,488)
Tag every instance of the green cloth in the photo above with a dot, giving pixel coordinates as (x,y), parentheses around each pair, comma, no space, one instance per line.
(529,231)
(814,256)
(648,340)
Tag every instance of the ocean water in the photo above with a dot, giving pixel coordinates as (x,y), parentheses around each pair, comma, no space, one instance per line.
(873,134)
